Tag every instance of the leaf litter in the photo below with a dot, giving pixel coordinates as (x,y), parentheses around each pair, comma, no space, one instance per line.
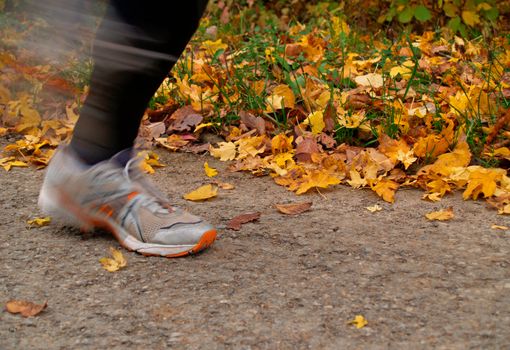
(311,113)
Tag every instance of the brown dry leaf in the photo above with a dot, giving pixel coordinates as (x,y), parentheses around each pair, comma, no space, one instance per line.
(235,223)
(184,119)
(115,264)
(441,215)
(294,208)
(25,308)
(306,146)
(202,193)
(252,122)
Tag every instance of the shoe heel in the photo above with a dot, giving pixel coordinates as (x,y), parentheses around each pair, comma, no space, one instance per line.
(50,205)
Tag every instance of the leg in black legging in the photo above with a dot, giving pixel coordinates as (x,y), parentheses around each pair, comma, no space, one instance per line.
(136,46)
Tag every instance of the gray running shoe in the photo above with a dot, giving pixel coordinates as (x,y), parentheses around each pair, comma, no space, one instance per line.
(122,201)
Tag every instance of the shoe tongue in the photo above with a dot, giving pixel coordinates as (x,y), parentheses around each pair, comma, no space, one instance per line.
(123,157)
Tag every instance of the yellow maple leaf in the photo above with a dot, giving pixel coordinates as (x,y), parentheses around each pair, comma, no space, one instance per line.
(316,122)
(503,152)
(115,264)
(483,181)
(434,196)
(211,47)
(3,131)
(439,186)
(386,189)
(406,158)
(441,215)
(359,321)
(405,70)
(149,160)
(281,97)
(39,221)
(250,146)
(356,180)
(210,172)
(14,163)
(146,167)
(225,151)
(281,144)
(460,157)
(202,193)
(316,178)
(499,227)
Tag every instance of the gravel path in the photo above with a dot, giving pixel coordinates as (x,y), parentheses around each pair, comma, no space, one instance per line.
(279,283)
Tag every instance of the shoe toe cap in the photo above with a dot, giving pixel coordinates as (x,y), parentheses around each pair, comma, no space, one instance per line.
(182,233)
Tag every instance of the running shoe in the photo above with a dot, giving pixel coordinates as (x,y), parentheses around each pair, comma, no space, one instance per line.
(122,201)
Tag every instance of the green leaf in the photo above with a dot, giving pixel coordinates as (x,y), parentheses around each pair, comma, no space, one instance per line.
(492,14)
(422,14)
(407,15)
(454,24)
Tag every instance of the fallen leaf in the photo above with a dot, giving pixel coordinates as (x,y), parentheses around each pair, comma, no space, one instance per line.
(318,179)
(282,97)
(316,121)
(441,215)
(373,80)
(25,308)
(252,122)
(184,119)
(202,193)
(225,151)
(374,208)
(13,163)
(210,172)
(225,185)
(235,223)
(294,208)
(205,125)
(386,189)
(499,227)
(356,180)
(115,264)
(39,222)
(359,321)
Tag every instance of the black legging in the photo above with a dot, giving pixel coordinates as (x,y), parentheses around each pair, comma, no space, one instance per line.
(136,45)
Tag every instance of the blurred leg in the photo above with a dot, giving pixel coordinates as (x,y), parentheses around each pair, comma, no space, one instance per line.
(136,46)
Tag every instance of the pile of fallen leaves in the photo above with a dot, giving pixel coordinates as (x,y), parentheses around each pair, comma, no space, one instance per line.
(315,105)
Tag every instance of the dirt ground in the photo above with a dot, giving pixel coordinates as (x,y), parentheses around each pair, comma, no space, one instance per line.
(279,283)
